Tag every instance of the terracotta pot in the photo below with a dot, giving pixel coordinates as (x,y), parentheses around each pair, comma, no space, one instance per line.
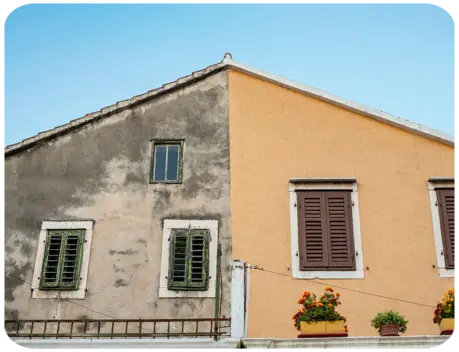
(389,330)
(322,327)
(447,324)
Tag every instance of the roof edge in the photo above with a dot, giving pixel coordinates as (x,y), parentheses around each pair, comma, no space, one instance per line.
(228,62)
(361,109)
(117,107)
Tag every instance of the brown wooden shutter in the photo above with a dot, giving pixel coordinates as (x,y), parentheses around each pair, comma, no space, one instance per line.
(339,230)
(312,241)
(445,203)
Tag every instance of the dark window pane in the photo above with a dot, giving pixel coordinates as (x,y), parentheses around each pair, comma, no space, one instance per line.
(172,162)
(160,163)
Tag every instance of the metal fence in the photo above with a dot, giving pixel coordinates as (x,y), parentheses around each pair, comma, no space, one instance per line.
(118,328)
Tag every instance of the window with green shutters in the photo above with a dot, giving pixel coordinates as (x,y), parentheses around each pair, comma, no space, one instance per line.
(189,260)
(62,260)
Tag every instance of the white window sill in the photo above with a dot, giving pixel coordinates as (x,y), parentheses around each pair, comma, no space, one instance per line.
(65,294)
(357,274)
(164,292)
(446,272)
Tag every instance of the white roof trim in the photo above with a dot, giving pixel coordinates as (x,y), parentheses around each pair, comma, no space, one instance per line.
(347,104)
(228,62)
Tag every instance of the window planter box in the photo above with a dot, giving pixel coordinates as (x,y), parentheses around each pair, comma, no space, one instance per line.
(322,328)
(447,326)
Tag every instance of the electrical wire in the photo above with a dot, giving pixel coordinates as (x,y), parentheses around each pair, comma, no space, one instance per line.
(256,267)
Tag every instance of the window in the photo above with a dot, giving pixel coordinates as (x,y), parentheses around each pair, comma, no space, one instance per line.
(62,260)
(61,265)
(325,229)
(167,162)
(441,191)
(189,260)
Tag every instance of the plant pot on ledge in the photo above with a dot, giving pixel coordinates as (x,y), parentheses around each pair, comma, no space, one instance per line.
(444,314)
(322,328)
(389,323)
(447,326)
(389,330)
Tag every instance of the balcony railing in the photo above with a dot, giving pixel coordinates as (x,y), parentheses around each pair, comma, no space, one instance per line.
(119,328)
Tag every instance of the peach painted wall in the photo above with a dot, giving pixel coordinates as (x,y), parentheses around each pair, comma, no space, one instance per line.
(277,134)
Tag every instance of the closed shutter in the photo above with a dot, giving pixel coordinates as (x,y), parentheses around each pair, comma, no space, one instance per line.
(313,249)
(445,202)
(325,230)
(340,231)
(62,260)
(189,260)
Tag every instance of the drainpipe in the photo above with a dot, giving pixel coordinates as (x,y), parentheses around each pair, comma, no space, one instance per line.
(217,287)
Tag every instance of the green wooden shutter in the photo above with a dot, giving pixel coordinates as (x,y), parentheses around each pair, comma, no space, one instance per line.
(199,260)
(62,260)
(71,260)
(178,260)
(189,260)
(50,274)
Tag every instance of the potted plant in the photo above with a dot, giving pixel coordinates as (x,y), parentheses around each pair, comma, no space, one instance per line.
(444,314)
(389,323)
(318,316)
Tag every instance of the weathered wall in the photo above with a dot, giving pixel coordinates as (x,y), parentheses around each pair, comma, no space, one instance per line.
(101,172)
(277,134)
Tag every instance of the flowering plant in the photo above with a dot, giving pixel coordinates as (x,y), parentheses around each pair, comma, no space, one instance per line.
(445,309)
(314,309)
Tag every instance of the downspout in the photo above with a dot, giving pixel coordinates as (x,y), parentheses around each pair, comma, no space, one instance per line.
(217,288)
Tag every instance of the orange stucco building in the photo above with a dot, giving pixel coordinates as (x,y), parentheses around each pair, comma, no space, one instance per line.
(283,137)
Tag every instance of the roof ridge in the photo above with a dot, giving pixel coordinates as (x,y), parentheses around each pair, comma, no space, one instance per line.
(225,63)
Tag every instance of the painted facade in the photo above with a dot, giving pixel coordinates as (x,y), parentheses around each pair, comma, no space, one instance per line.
(101,172)
(277,134)
(279,137)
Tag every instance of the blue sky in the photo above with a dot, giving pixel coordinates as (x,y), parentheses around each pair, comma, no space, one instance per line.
(64,61)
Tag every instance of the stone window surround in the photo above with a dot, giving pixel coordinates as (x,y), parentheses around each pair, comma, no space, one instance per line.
(80,293)
(169,225)
(325,184)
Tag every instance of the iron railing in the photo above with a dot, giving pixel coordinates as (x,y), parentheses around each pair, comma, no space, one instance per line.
(118,328)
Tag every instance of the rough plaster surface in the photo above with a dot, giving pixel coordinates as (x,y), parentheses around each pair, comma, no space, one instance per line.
(101,172)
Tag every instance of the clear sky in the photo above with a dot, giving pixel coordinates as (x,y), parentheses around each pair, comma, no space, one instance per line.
(64,61)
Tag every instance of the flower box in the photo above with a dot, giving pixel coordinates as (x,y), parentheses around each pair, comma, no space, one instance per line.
(447,324)
(322,327)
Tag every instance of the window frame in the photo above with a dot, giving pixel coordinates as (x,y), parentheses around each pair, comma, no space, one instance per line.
(49,293)
(171,225)
(188,285)
(167,142)
(434,184)
(325,184)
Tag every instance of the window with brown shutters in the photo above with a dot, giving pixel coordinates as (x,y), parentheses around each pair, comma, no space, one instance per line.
(325,230)
(445,201)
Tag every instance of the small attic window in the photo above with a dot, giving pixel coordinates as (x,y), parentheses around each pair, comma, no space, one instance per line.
(166,166)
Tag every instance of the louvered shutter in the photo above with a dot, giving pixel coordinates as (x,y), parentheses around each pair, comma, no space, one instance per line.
(313,249)
(52,261)
(199,254)
(445,203)
(339,230)
(71,259)
(62,260)
(178,260)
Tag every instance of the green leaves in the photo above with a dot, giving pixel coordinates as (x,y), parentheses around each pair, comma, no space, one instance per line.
(389,317)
